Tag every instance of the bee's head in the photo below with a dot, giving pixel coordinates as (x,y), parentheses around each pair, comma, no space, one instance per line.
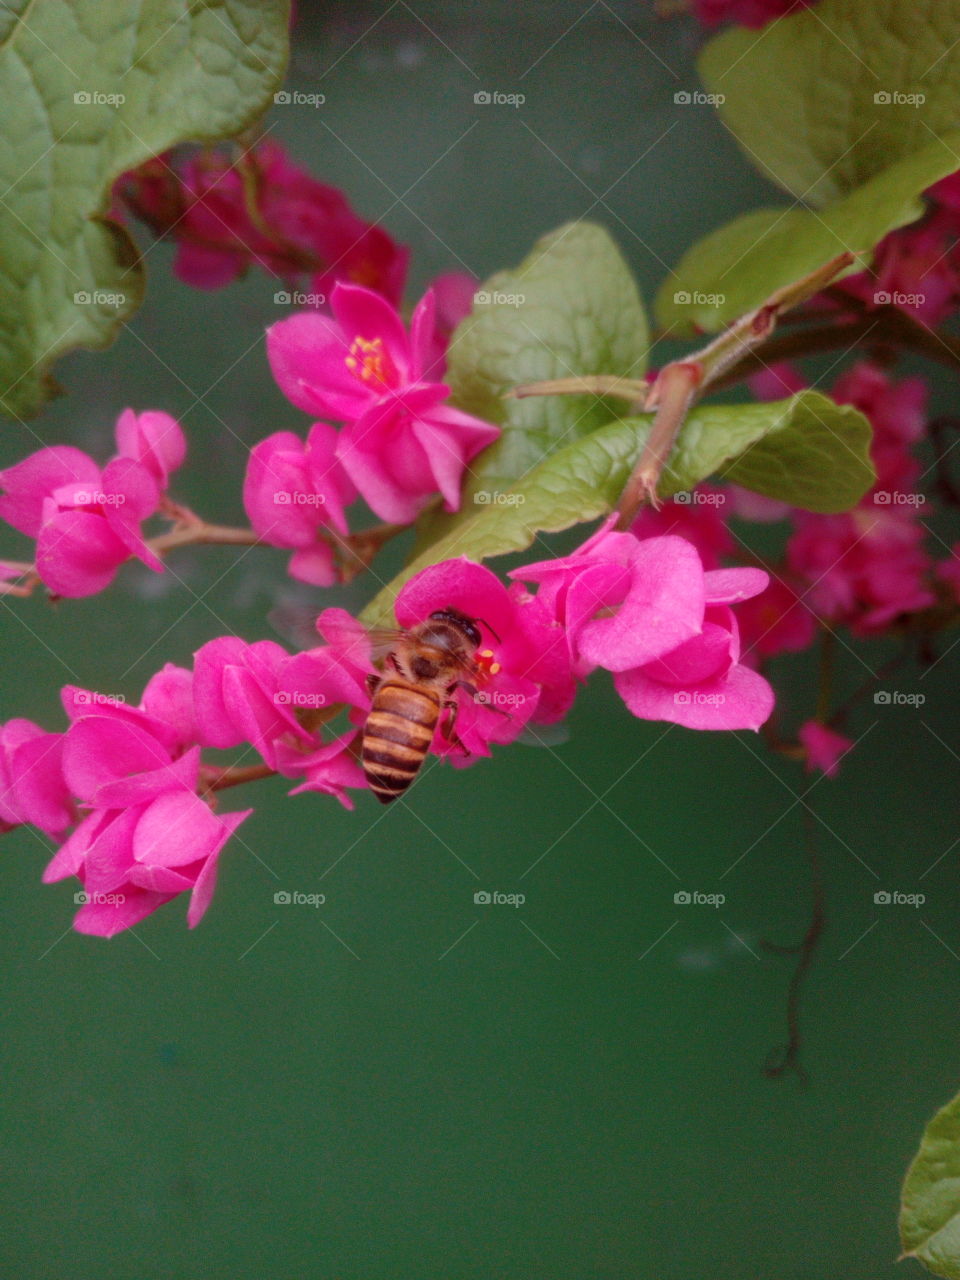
(468,626)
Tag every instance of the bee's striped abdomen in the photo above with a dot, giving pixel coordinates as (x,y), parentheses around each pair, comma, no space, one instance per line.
(397,736)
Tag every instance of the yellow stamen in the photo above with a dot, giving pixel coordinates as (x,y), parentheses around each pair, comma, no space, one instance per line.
(373,364)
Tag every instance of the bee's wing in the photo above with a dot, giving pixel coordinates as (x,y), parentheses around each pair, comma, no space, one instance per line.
(383,641)
(296,623)
(544,735)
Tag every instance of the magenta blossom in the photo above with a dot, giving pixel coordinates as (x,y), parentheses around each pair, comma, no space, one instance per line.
(695,516)
(292,492)
(148,836)
(749,13)
(522,654)
(824,748)
(702,684)
(622,601)
(87,522)
(153,439)
(775,621)
(32,787)
(400,443)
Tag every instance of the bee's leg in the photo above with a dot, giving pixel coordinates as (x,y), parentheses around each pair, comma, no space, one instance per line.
(373,679)
(448,725)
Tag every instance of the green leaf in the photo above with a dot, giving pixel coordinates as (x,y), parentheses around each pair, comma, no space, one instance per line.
(580,313)
(806,450)
(930,1200)
(736,268)
(197,72)
(813,101)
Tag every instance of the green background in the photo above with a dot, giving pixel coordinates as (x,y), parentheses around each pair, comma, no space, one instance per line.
(402,1083)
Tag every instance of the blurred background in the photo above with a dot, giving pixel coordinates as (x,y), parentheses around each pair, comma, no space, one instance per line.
(403,1083)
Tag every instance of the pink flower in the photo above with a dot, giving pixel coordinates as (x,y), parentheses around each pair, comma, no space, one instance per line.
(400,443)
(521,649)
(292,492)
(694,516)
(148,836)
(775,621)
(226,215)
(896,413)
(238,697)
(864,568)
(454,292)
(914,269)
(622,601)
(32,788)
(702,684)
(749,13)
(824,748)
(153,439)
(949,570)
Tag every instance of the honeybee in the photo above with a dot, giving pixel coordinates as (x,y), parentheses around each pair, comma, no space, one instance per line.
(423,668)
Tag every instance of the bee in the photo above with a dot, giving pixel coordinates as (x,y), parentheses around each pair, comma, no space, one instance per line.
(415,692)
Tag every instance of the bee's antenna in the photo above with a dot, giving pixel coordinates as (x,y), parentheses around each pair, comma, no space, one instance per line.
(490,629)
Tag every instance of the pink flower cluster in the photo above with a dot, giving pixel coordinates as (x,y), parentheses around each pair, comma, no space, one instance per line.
(749,13)
(400,442)
(226,215)
(130,791)
(87,520)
